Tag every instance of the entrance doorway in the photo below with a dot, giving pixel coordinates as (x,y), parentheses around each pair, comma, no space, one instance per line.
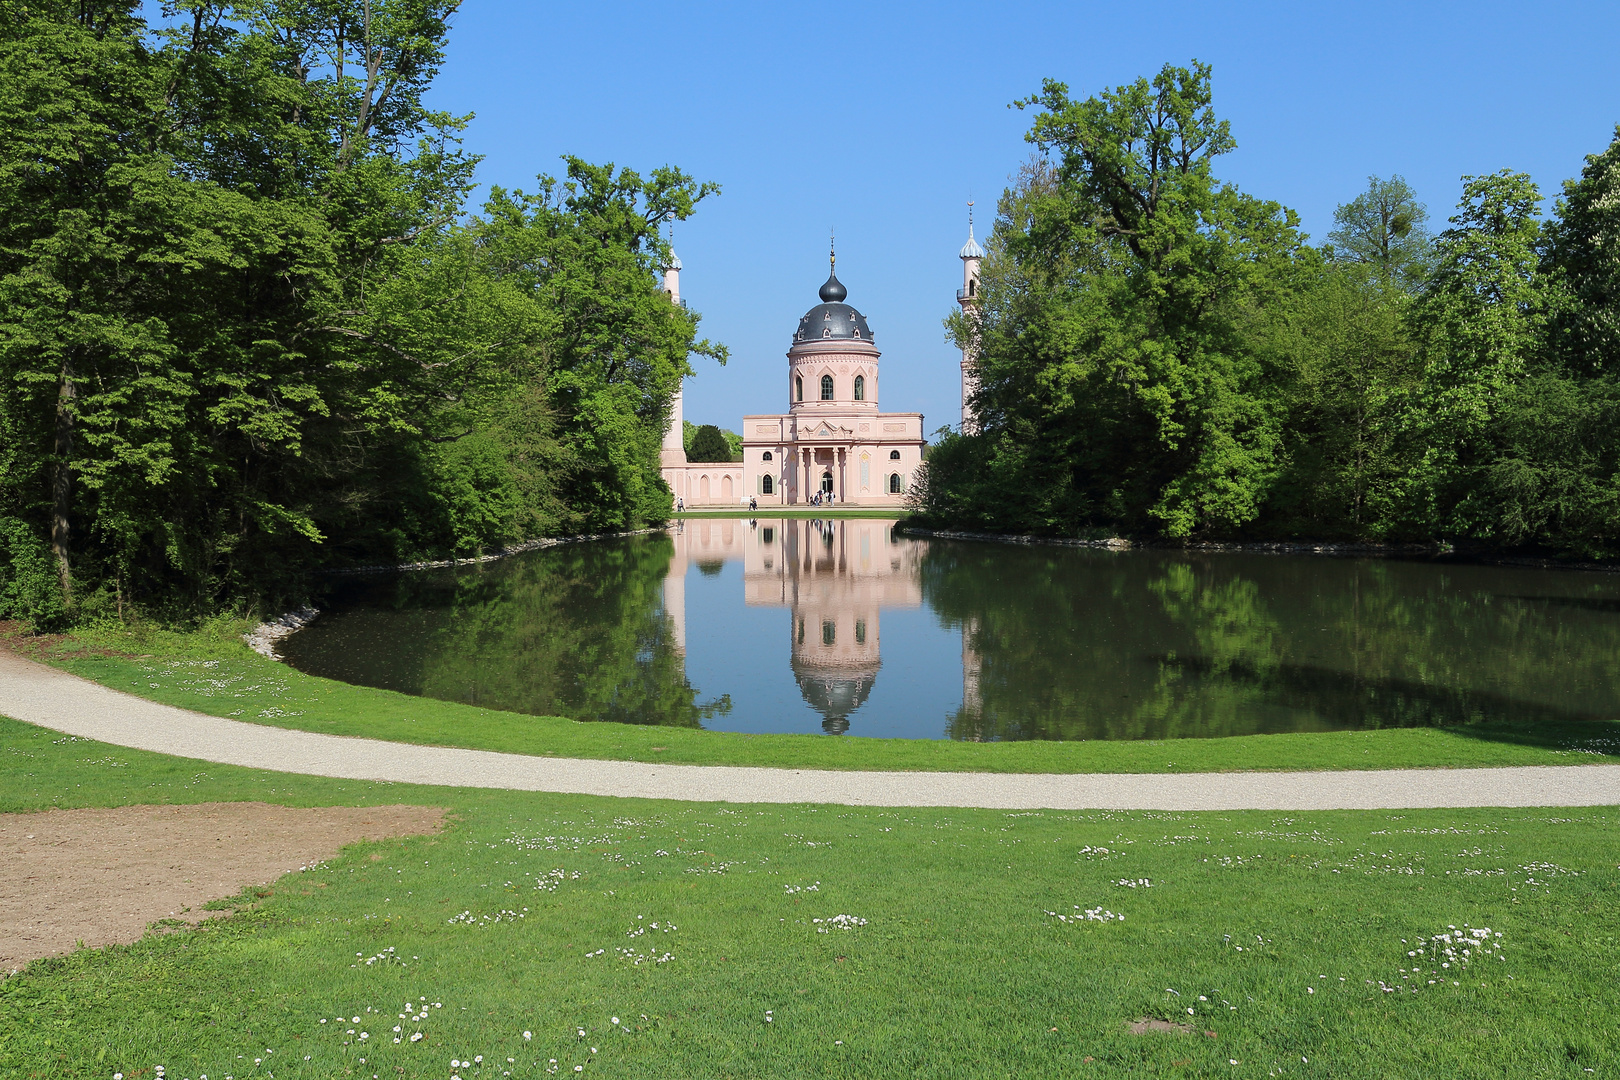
(826,483)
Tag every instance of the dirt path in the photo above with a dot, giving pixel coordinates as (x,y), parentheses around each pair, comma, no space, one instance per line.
(100,876)
(53,699)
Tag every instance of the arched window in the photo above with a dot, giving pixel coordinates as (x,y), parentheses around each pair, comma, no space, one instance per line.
(972,286)
(826,388)
(767,456)
(829,633)
(860,388)
(766,487)
(894,484)
(798,388)
(894,455)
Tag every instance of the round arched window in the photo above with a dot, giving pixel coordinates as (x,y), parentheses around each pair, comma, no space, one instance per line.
(860,388)
(767,456)
(894,455)
(798,388)
(826,388)
(894,484)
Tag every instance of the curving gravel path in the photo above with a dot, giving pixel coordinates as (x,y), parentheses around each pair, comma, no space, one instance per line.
(54,699)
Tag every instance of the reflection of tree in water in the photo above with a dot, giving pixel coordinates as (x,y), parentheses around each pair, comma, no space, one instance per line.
(578,630)
(1081,645)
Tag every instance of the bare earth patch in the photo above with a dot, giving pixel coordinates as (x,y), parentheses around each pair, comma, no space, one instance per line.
(101,875)
(1153,1023)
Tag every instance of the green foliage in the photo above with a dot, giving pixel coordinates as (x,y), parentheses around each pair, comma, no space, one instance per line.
(709,444)
(1160,354)
(1383,228)
(1116,384)
(29,588)
(246,329)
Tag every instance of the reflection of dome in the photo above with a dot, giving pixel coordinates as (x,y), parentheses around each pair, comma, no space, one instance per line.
(832,320)
(835,692)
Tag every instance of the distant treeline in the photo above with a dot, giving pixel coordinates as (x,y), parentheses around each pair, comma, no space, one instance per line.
(247,326)
(1163,354)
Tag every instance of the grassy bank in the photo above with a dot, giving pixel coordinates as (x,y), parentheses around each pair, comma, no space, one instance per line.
(211,672)
(1290,938)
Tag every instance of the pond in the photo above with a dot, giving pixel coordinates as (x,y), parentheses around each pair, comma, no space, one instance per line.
(845,626)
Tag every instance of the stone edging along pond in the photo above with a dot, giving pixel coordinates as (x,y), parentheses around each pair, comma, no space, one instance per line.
(264,638)
(1118,543)
(1443,548)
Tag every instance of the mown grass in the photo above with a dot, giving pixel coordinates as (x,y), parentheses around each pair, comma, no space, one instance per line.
(211,672)
(958,970)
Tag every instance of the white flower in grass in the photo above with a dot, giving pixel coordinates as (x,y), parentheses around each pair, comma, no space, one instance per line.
(615,1019)
(528,1034)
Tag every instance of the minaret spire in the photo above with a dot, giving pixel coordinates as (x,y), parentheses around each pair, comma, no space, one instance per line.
(968,297)
(832,251)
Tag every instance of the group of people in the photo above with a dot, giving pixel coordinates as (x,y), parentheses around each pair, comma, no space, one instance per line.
(820,498)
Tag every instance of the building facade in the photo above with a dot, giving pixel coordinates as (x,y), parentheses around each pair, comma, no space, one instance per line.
(833,445)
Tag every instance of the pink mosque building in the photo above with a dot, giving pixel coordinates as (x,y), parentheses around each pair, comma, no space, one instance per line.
(833,439)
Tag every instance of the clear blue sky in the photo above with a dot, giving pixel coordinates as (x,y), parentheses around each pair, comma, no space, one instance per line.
(883,119)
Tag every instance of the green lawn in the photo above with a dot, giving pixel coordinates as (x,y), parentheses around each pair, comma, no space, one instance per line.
(535,913)
(213,673)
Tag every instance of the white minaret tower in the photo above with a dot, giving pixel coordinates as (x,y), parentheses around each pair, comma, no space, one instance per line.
(968,297)
(673,451)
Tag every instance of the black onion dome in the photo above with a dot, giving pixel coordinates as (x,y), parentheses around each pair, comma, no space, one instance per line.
(833,694)
(832,319)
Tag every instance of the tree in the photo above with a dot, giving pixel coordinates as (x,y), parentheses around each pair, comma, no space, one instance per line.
(1584,249)
(1383,228)
(709,444)
(245,328)
(1115,384)
(1483,313)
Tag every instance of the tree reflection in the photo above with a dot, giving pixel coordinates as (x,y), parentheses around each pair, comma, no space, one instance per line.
(579,630)
(1065,644)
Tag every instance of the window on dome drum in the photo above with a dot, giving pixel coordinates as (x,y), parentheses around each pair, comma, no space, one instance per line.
(894,483)
(826,388)
(767,456)
(860,388)
(829,633)
(766,488)
(894,455)
(798,388)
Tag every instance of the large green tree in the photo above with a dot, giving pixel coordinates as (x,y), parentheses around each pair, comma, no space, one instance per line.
(1117,384)
(245,327)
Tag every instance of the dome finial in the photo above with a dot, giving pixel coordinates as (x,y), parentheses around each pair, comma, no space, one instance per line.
(971,249)
(833,292)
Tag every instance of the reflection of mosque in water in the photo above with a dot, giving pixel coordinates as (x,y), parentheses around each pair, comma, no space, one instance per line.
(834,577)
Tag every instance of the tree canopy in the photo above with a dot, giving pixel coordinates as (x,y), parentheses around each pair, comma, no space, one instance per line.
(1162,354)
(248,327)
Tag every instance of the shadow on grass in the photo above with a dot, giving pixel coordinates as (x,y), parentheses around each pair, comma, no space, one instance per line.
(1356,702)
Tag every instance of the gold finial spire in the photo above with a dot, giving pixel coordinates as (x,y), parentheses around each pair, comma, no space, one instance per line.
(832,250)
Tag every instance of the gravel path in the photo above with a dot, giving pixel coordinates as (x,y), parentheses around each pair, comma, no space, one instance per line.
(53,699)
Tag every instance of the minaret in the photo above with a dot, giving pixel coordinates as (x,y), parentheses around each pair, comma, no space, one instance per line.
(673,452)
(968,297)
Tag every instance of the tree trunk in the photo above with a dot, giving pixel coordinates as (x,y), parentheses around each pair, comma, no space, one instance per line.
(62,479)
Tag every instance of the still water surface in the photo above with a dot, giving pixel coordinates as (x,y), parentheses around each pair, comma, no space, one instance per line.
(843,626)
